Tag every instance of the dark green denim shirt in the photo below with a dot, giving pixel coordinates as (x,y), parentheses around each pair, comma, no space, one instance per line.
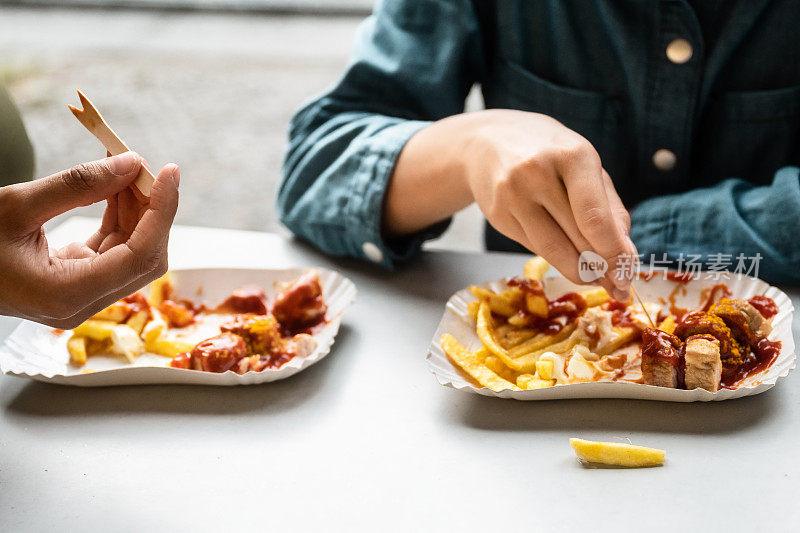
(692,106)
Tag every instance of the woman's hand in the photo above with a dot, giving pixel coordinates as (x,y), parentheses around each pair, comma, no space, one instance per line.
(62,288)
(535,180)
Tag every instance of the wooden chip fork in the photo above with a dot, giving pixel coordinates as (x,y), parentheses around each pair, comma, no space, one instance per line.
(94,122)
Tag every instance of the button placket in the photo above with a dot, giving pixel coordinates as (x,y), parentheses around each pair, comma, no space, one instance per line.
(673,85)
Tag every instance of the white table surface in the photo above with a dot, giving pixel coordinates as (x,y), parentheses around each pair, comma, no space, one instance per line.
(368,440)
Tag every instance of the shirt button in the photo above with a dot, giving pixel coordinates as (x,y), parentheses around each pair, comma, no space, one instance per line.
(372,252)
(679,51)
(664,159)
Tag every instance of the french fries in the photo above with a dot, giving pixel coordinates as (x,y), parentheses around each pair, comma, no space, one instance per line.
(98,330)
(168,347)
(503,303)
(76,346)
(160,290)
(116,312)
(535,268)
(544,369)
(138,321)
(468,362)
(127,328)
(595,297)
(518,325)
(616,453)
(536,304)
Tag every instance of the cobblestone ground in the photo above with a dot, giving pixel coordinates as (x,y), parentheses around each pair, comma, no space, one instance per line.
(213,93)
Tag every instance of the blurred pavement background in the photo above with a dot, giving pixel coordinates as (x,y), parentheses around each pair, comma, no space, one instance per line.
(209,90)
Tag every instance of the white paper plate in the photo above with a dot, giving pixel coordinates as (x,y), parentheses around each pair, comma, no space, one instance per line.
(35,351)
(457,322)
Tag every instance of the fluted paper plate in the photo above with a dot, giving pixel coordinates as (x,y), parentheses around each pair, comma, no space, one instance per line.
(38,352)
(457,322)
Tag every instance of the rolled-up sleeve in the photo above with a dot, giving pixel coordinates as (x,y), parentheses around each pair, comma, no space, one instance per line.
(413,63)
(732,218)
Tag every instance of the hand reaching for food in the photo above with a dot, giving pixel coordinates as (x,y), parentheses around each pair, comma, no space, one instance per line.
(62,288)
(535,180)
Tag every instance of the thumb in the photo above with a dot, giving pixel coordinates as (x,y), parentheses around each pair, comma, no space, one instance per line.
(79,186)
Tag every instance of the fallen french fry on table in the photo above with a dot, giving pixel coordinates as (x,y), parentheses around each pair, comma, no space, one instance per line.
(617,453)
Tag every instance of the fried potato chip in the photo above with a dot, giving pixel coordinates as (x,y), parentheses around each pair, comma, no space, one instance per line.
(160,290)
(505,303)
(527,362)
(509,336)
(668,324)
(616,453)
(168,347)
(138,320)
(536,304)
(531,382)
(493,363)
(540,341)
(76,346)
(116,312)
(535,268)
(98,330)
(622,336)
(484,330)
(472,309)
(468,362)
(545,370)
(94,347)
(595,296)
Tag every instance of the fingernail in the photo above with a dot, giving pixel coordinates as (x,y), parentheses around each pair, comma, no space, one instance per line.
(123,164)
(176,174)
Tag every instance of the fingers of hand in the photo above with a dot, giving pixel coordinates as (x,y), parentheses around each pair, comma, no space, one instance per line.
(74,250)
(107,226)
(154,225)
(548,240)
(101,303)
(145,251)
(88,284)
(618,210)
(595,214)
(81,185)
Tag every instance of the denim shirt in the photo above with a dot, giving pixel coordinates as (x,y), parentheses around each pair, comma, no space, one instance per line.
(692,106)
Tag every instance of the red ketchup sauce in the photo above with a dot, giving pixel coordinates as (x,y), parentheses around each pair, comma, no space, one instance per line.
(561,311)
(764,353)
(529,286)
(662,346)
(677,276)
(275,360)
(620,314)
(765,305)
(301,307)
(246,300)
(217,354)
(137,302)
(710,296)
